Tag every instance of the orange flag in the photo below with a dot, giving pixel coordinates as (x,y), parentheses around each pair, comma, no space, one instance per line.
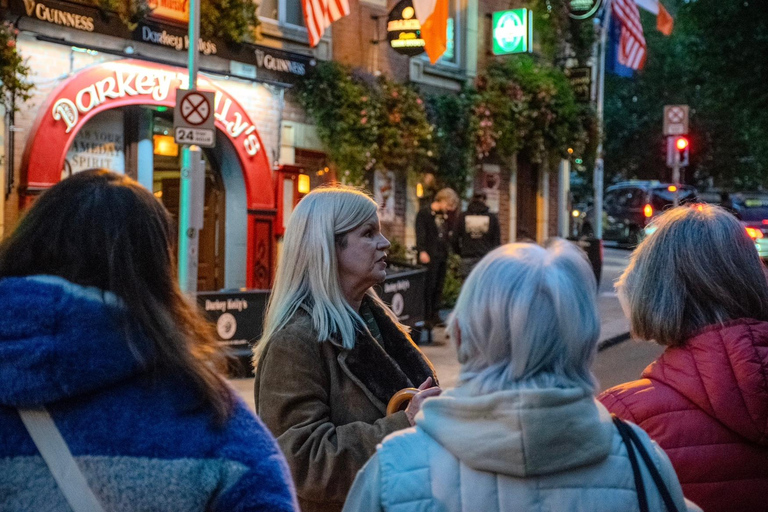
(664,21)
(433,17)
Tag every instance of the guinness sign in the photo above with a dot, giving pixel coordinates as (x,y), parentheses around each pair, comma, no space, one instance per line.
(58,16)
(583,9)
(404,30)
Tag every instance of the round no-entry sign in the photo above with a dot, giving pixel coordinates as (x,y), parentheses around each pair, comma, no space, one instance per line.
(195,108)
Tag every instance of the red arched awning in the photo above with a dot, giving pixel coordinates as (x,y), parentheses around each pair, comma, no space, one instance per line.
(132,82)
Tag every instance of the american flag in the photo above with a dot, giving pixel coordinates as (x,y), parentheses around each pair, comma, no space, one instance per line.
(632,42)
(319,14)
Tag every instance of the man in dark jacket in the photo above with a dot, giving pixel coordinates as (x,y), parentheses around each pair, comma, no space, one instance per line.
(477,233)
(434,228)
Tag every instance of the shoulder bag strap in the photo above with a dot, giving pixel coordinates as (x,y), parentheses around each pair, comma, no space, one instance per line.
(642,499)
(665,495)
(57,456)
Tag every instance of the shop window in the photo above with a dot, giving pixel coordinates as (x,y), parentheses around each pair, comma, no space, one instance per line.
(450,51)
(99,144)
(285,12)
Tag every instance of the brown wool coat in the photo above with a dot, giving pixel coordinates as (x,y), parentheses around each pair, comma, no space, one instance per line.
(326,405)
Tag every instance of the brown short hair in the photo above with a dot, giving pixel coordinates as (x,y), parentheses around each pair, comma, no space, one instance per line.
(697,269)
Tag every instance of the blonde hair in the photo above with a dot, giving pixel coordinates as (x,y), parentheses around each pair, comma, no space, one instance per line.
(307,275)
(527,318)
(698,268)
(449,196)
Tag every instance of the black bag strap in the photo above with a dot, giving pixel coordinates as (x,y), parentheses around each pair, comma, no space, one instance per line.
(642,499)
(630,438)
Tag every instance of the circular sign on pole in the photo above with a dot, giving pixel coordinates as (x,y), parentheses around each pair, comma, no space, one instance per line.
(195,108)
(583,9)
(404,30)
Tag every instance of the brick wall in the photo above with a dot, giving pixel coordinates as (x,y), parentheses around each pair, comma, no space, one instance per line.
(352,42)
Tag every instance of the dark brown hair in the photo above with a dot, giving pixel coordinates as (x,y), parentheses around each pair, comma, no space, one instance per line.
(104,230)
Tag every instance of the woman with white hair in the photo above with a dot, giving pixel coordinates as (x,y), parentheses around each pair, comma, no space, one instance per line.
(698,287)
(522,431)
(333,354)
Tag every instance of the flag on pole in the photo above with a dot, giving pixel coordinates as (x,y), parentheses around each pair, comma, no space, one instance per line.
(632,45)
(433,17)
(612,64)
(319,14)
(664,20)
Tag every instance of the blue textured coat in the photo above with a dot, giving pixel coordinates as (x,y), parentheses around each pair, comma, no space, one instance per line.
(138,436)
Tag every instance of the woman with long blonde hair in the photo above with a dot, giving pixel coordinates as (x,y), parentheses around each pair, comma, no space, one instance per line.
(332,353)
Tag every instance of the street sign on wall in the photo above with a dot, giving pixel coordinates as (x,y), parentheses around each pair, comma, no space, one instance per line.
(512,31)
(675,119)
(193,118)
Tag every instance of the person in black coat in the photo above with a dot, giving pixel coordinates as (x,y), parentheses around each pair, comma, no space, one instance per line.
(477,233)
(434,229)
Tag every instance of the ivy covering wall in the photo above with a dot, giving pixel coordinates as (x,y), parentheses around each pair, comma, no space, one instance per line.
(517,105)
(15,86)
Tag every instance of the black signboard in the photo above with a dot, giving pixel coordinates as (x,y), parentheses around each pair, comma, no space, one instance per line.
(404,292)
(238,317)
(583,9)
(404,30)
(271,65)
(581,83)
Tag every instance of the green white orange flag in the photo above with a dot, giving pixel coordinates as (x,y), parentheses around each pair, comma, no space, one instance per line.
(433,17)
(664,20)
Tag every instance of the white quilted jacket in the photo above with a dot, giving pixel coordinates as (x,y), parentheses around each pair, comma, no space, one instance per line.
(520,450)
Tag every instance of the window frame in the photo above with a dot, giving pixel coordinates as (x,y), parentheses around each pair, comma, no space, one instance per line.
(281,28)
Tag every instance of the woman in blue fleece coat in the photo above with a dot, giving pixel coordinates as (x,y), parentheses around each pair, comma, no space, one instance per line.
(95,330)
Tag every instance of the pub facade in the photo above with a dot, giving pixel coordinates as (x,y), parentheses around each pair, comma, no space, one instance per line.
(104,96)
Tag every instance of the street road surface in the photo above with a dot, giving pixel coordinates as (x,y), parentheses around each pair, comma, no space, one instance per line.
(618,363)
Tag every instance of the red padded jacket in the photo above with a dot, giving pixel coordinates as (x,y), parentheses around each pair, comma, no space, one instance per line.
(706,404)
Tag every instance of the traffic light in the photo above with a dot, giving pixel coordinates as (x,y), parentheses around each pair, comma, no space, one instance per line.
(682,146)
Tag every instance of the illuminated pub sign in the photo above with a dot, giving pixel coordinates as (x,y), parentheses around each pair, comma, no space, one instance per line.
(173,10)
(583,9)
(512,31)
(404,30)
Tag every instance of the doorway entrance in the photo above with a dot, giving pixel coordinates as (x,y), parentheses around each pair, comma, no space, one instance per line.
(166,187)
(527,189)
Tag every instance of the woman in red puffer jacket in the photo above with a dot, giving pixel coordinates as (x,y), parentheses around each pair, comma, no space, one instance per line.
(698,287)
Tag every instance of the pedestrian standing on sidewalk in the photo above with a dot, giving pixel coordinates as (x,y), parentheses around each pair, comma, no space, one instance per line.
(434,229)
(99,346)
(522,431)
(477,233)
(333,354)
(697,286)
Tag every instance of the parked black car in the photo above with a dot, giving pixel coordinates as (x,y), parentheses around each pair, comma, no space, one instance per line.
(629,206)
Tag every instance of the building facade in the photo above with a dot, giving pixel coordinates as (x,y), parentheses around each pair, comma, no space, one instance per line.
(104,95)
